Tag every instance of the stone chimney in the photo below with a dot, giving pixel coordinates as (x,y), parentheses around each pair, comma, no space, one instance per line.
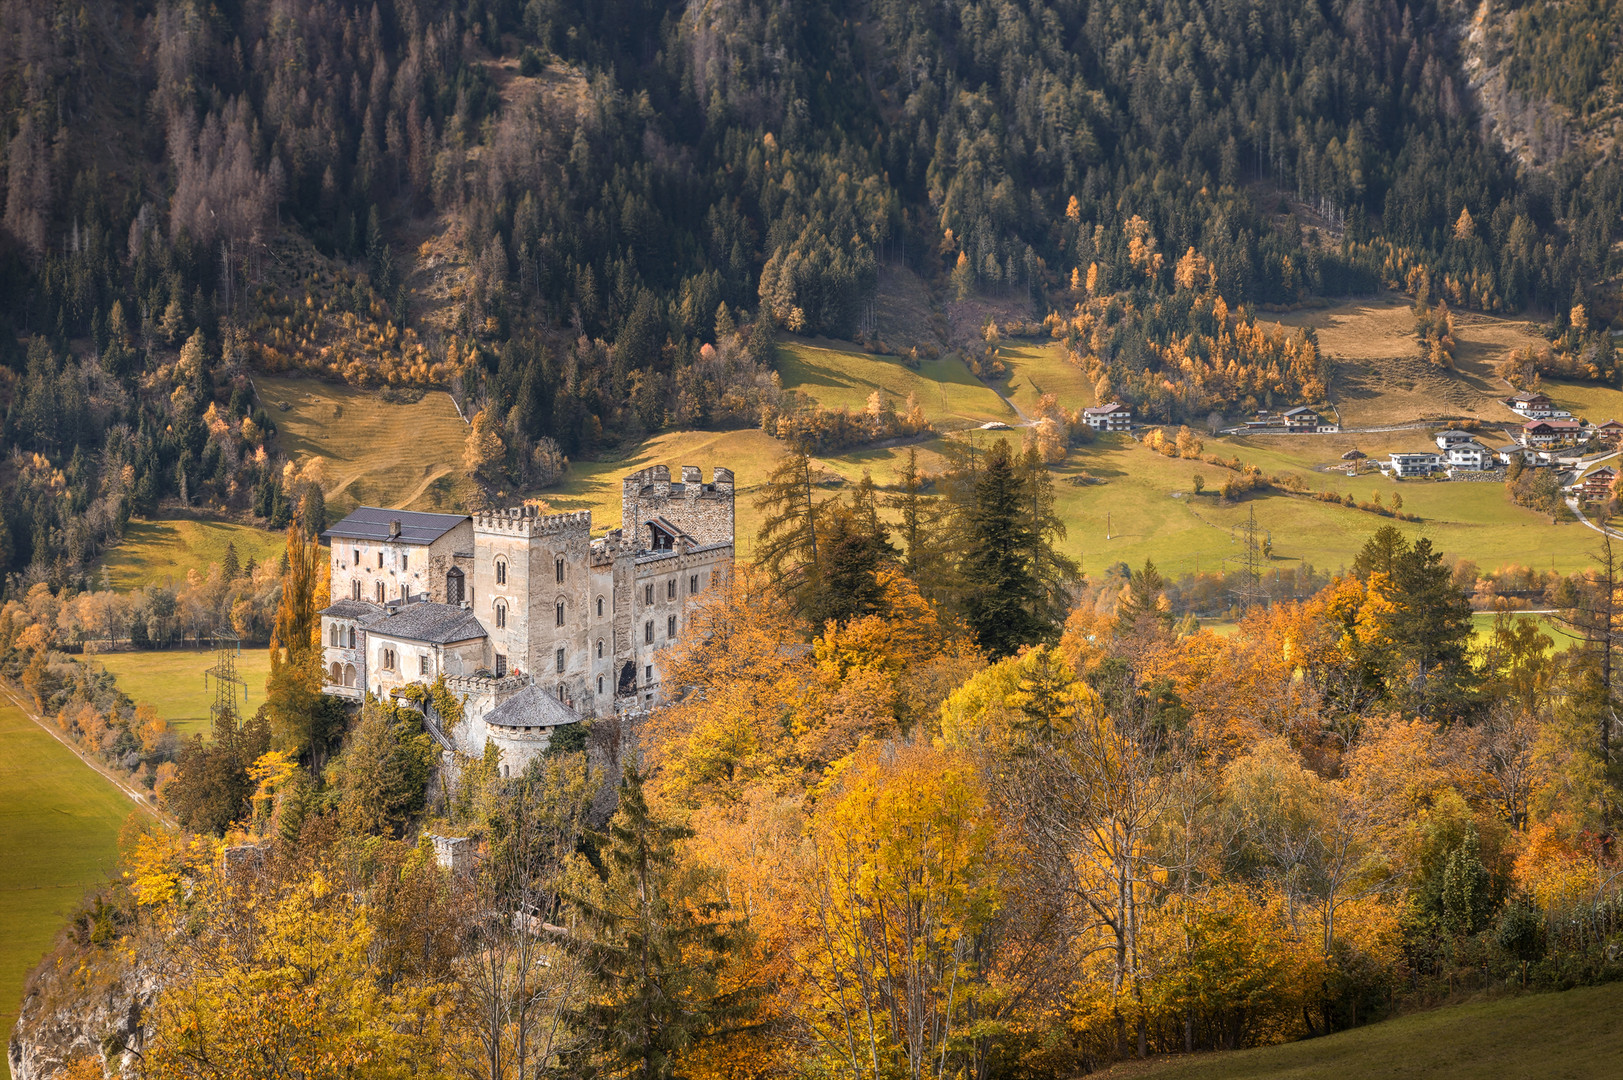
(394,529)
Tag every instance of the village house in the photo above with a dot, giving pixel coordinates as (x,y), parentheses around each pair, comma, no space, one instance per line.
(1453,437)
(1543,433)
(506,605)
(1112,417)
(1468,455)
(1297,420)
(1609,432)
(1536,406)
(1597,486)
(1422,463)
(1511,451)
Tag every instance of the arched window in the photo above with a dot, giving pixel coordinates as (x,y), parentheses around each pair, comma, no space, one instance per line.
(380,592)
(349,675)
(600,684)
(560,613)
(355,589)
(453,585)
(670,589)
(501,614)
(600,607)
(501,571)
(332,636)
(560,662)
(670,626)
(337,677)
(600,648)
(648,631)
(559,566)
(648,593)
(352,637)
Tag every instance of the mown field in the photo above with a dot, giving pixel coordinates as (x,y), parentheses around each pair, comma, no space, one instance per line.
(1575,1035)
(375,452)
(163,550)
(59,824)
(171,681)
(838,377)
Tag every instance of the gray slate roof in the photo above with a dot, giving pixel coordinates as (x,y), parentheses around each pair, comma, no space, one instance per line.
(435,624)
(349,609)
(373,522)
(532,707)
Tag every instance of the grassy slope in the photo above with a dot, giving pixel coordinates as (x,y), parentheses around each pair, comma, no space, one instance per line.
(376,453)
(172,682)
(159,551)
(1577,1034)
(840,377)
(59,825)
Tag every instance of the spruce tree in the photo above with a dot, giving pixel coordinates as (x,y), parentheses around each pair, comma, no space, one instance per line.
(786,543)
(656,951)
(1003,591)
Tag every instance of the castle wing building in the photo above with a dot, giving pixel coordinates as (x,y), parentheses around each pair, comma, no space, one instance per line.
(509,604)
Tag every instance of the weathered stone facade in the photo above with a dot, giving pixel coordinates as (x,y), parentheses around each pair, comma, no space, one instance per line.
(585,619)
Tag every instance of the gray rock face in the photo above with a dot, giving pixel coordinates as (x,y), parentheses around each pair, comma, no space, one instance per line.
(68,1013)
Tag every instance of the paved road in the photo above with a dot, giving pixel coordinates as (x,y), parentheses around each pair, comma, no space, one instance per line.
(1572,504)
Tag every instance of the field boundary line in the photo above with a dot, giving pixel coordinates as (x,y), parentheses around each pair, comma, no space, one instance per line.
(134,796)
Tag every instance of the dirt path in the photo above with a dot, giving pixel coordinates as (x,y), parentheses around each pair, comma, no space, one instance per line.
(137,797)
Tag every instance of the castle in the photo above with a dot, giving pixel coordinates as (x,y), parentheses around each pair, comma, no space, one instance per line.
(532,622)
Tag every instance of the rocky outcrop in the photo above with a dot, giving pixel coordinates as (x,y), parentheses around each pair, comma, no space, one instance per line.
(82,1002)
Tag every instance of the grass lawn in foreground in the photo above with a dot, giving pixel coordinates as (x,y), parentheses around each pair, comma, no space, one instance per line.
(164,549)
(1577,1034)
(171,681)
(59,823)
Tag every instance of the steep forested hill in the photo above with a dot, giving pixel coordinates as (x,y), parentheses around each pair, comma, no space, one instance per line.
(553,205)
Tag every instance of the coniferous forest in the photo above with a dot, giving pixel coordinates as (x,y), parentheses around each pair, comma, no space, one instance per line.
(924,800)
(552,207)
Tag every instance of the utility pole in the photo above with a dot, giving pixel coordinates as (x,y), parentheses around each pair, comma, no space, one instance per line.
(1250,562)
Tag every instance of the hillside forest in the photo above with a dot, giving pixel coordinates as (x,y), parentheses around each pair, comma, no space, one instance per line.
(917,813)
(591,220)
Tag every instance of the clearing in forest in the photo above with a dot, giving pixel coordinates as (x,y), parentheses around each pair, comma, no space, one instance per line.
(836,375)
(1381,379)
(162,550)
(401,454)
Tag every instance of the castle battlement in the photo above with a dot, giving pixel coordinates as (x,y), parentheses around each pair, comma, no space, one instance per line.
(524,521)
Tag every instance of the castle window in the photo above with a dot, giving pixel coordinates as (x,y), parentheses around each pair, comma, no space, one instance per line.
(648,674)
(380,560)
(648,594)
(380,592)
(355,589)
(332,634)
(453,586)
(670,626)
(501,571)
(693,584)
(501,665)
(559,565)
(560,613)
(670,589)
(403,559)
(356,561)
(600,607)
(405,591)
(560,661)
(600,684)
(600,648)
(422,665)
(388,659)
(648,631)
(560,698)
(352,637)
(501,614)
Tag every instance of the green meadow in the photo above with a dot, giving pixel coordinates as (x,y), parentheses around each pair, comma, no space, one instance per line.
(1573,1035)
(171,681)
(163,550)
(59,824)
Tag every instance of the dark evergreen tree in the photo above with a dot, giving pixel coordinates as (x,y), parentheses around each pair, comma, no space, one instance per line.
(1003,593)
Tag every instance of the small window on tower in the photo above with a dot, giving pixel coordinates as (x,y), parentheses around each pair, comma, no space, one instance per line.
(693,584)
(670,589)
(560,661)
(560,613)
(648,631)
(600,684)
(600,607)
(501,571)
(403,559)
(380,560)
(501,665)
(501,614)
(648,594)
(356,561)
(355,589)
(422,665)
(560,568)
(648,673)
(670,626)
(600,648)
(380,592)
